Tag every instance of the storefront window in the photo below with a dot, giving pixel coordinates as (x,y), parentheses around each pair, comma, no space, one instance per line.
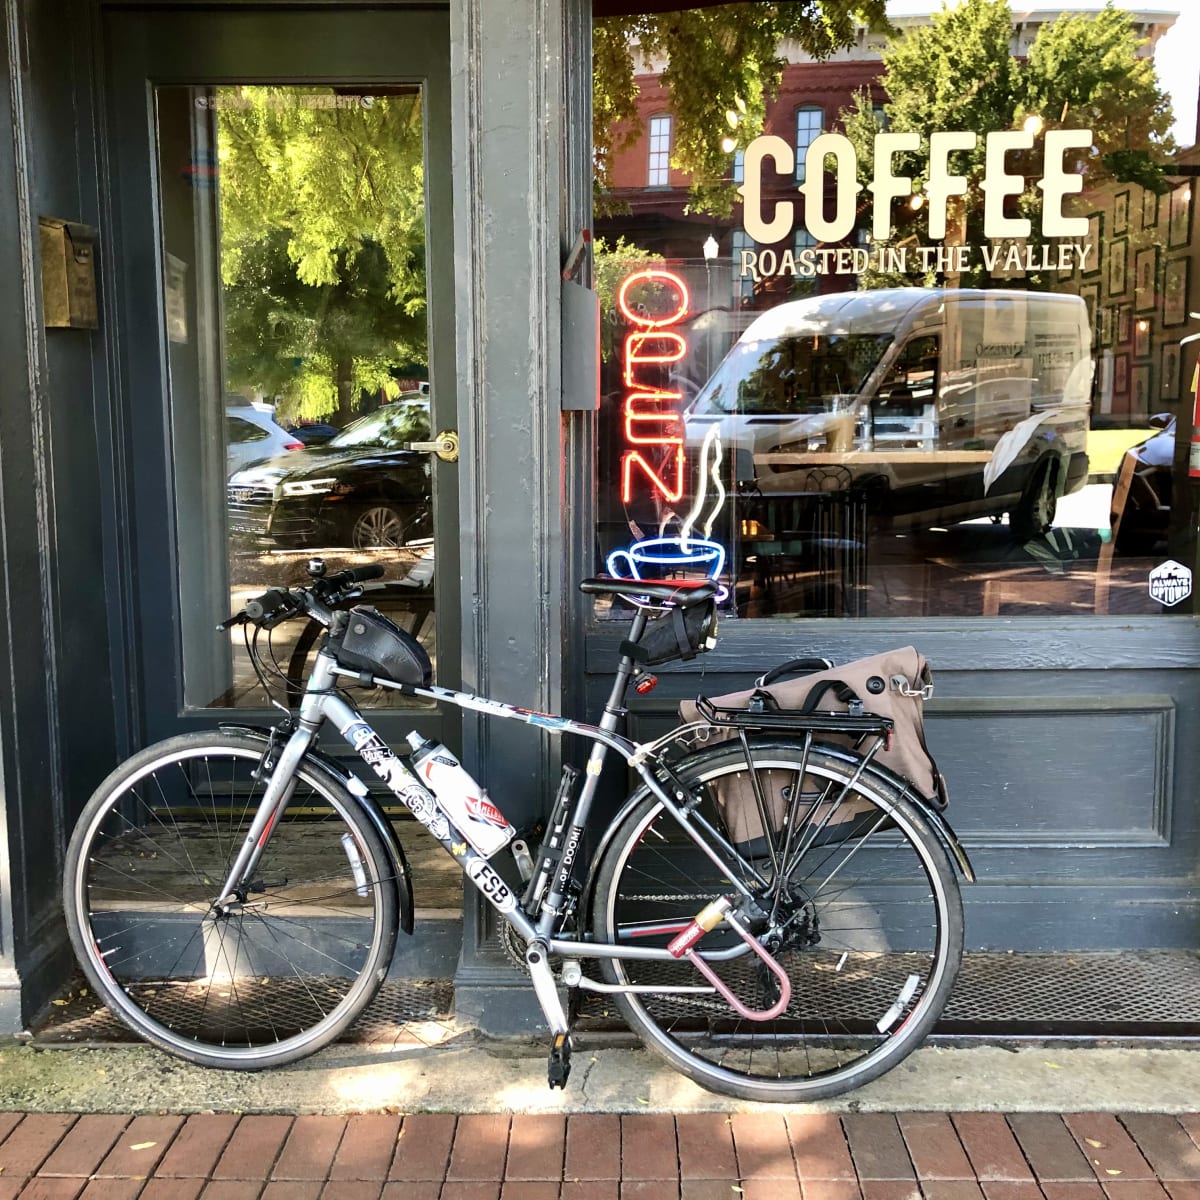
(941,363)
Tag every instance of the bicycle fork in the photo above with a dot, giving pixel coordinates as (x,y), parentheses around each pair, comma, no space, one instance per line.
(279,790)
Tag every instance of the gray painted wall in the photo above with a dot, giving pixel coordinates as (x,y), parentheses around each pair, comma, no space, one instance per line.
(60,703)
(1068,750)
(522,193)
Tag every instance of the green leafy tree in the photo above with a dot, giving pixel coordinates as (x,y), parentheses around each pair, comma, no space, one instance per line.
(1084,72)
(610,265)
(716,61)
(322,245)
(957,72)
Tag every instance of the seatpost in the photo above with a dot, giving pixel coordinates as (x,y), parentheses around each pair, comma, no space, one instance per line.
(614,710)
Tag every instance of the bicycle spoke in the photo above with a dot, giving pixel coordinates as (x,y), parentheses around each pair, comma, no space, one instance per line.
(271,975)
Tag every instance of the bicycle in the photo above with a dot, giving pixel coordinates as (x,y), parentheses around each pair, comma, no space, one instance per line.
(235,896)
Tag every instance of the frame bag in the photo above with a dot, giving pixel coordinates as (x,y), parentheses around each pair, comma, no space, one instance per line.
(894,684)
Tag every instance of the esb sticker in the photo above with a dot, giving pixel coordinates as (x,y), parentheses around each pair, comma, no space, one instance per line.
(1170,582)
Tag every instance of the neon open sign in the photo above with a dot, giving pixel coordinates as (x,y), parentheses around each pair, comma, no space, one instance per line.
(654,429)
(653,459)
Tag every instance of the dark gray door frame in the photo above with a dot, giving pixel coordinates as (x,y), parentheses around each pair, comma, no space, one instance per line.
(522,160)
(351,45)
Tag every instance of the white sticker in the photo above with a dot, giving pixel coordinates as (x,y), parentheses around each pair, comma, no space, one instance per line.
(1170,582)
(491,885)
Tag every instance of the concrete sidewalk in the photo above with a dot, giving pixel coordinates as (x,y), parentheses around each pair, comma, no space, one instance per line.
(602,1156)
(440,1069)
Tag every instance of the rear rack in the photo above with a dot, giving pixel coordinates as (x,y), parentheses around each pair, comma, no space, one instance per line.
(793,719)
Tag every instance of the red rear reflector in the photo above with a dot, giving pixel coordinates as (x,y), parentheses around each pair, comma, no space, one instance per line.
(294,446)
(647,683)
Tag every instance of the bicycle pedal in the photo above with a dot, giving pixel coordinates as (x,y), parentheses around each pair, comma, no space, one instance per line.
(558,1067)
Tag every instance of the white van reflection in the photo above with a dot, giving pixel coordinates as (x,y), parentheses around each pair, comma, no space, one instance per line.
(949,404)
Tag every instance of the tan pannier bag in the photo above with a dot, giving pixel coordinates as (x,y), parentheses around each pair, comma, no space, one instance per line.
(894,684)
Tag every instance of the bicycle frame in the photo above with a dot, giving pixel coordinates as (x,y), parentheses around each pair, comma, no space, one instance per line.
(321,703)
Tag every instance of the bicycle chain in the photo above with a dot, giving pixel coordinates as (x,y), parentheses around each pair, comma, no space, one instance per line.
(704,899)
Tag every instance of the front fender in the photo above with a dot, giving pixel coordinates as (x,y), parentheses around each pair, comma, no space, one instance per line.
(325,765)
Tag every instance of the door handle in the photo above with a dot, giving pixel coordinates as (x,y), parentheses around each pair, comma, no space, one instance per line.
(445,446)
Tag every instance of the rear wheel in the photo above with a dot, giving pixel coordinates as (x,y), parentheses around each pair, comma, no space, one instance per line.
(861,908)
(284,969)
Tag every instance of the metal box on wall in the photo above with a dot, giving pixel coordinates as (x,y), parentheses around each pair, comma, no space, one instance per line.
(68,274)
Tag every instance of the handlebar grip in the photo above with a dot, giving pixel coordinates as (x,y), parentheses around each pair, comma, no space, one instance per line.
(362,574)
(344,580)
(272,605)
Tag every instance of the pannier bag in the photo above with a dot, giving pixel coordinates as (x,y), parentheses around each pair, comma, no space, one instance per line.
(894,684)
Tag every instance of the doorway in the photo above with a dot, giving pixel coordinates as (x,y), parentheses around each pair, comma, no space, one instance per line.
(282,219)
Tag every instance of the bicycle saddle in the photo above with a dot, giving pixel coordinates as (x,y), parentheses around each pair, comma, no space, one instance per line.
(682,593)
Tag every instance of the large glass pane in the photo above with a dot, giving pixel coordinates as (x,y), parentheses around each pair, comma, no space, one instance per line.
(294,289)
(930,355)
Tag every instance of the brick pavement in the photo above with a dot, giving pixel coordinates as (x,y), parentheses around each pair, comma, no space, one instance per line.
(602,1156)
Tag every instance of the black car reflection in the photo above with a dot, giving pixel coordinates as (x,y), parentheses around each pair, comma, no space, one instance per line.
(314,433)
(363,488)
(1146,513)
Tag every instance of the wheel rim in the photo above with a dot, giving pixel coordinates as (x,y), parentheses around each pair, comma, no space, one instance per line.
(1045,504)
(862,995)
(380,527)
(287,969)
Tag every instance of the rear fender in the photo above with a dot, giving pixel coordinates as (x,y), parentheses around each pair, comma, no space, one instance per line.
(326,766)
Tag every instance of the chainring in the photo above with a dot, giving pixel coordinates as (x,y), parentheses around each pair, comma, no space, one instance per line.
(513,946)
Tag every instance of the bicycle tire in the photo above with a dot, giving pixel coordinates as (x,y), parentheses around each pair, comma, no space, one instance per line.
(865,990)
(289,968)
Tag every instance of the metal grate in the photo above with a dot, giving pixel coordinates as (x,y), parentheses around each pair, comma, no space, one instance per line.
(78,1017)
(1142,994)
(1146,993)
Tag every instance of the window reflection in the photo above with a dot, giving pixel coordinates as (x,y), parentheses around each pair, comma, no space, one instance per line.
(978,403)
(295,303)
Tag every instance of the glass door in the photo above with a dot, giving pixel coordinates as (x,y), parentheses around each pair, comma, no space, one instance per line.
(283,224)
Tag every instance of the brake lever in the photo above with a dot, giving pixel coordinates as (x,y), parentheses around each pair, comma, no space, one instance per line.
(225,626)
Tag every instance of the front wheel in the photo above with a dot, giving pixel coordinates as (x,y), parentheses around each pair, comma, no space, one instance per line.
(859,905)
(255,983)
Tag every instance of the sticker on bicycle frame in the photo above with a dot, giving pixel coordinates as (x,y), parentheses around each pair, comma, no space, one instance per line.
(484,877)
(401,782)
(479,809)
(359,734)
(1170,582)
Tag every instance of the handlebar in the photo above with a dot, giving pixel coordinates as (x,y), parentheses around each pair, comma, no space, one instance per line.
(276,605)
